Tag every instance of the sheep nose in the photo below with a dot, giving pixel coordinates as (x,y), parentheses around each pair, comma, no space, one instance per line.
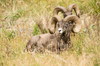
(60,30)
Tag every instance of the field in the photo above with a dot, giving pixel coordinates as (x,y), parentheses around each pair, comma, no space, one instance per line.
(18,22)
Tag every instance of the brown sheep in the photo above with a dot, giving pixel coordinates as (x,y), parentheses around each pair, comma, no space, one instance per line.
(46,25)
(58,41)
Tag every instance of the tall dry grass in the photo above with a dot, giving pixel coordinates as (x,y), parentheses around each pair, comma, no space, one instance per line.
(18,22)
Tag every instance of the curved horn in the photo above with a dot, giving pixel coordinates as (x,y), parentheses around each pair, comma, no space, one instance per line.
(54,21)
(75,19)
(59,9)
(76,9)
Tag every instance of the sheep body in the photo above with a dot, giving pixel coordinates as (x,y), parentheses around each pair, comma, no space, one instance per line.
(59,40)
(42,42)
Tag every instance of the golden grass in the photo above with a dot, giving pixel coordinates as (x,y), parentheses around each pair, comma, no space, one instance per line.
(17,24)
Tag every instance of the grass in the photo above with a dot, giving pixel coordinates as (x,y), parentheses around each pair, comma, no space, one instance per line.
(18,22)
(36,30)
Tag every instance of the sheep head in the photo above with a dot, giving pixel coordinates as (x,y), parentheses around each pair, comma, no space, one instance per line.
(69,23)
(68,11)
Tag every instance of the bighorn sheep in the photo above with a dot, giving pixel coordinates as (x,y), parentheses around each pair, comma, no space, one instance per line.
(67,11)
(58,41)
(46,25)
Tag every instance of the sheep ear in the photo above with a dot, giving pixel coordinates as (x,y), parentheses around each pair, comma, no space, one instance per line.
(54,20)
(76,9)
(77,21)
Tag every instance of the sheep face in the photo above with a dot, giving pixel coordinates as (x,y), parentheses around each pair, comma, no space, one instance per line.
(64,27)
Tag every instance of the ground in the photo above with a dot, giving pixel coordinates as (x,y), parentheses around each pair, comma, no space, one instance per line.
(18,22)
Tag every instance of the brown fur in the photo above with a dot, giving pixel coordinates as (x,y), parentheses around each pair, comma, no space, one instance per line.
(39,42)
(55,42)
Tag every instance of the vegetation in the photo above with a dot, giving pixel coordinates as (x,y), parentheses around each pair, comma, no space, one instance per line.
(18,22)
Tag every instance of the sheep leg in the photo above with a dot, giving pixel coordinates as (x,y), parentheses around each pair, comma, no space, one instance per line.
(28,47)
(58,48)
